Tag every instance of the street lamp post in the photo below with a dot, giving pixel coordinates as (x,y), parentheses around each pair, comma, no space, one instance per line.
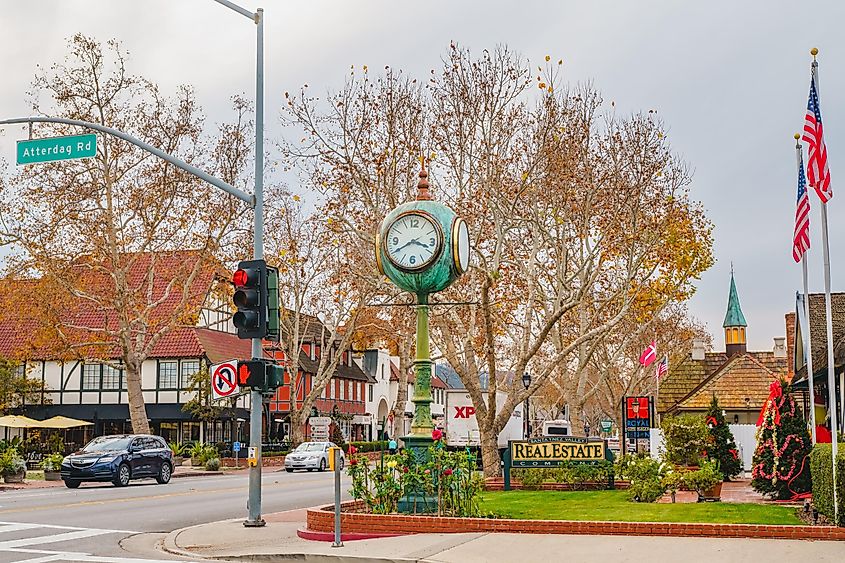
(526,382)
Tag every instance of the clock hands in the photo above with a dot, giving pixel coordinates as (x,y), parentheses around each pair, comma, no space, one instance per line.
(412,241)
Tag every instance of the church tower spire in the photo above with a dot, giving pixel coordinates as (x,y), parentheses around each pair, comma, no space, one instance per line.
(734,324)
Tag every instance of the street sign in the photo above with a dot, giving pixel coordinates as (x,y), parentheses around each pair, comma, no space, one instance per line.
(606,425)
(320,421)
(224,382)
(56,148)
(236,447)
(319,433)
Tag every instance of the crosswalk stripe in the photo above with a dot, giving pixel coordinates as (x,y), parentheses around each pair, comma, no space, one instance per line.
(10,527)
(67,536)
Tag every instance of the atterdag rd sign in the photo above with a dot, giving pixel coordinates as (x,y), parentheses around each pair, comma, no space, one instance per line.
(56,148)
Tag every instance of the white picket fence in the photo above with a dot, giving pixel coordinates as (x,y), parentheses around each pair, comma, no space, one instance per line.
(744,436)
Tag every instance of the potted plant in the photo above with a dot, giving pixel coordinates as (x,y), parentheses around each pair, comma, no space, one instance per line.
(673,480)
(706,481)
(197,450)
(52,466)
(178,452)
(13,466)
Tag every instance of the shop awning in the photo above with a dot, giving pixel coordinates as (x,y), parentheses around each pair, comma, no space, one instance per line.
(16,421)
(63,422)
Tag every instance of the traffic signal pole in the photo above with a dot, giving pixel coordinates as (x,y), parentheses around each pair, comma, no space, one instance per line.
(255,399)
(256,200)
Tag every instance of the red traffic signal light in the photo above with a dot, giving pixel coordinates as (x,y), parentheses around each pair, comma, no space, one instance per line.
(251,374)
(250,298)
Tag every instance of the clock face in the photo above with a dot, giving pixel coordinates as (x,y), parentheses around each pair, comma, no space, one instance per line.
(413,241)
(460,245)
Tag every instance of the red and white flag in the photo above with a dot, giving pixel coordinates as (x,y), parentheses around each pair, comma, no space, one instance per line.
(662,367)
(649,354)
(817,171)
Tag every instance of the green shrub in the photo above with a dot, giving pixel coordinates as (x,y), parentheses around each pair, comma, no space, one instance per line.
(11,462)
(820,469)
(686,438)
(646,477)
(52,462)
(704,478)
(374,446)
(177,448)
(213,464)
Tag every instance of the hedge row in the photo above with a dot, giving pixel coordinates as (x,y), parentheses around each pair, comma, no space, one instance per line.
(820,468)
(369,446)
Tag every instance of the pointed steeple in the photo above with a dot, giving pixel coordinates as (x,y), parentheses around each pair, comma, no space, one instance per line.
(734,324)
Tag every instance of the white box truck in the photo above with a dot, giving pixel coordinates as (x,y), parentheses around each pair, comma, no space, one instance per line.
(461,424)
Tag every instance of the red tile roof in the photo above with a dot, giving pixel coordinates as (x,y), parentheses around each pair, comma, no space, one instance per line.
(39,328)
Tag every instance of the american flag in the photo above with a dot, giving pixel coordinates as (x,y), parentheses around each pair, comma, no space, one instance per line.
(817,171)
(662,367)
(801,236)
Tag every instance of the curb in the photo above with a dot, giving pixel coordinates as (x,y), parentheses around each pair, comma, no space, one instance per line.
(169,545)
(314,535)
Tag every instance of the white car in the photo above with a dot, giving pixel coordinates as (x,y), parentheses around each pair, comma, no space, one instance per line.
(311,456)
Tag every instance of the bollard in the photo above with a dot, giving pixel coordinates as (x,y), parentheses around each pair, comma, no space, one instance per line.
(336,462)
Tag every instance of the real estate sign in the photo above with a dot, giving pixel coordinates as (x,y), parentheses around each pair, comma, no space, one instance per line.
(552,451)
(555,451)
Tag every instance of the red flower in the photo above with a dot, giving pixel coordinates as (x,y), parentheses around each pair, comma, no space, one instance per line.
(405,470)
(352,449)
(447,472)
(353,461)
(427,471)
(436,434)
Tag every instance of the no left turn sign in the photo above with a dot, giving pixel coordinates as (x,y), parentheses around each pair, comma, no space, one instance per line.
(224,381)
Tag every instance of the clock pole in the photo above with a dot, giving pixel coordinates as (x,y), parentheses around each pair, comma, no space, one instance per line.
(421,426)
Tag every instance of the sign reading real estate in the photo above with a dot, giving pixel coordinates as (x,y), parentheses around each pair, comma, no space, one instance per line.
(555,451)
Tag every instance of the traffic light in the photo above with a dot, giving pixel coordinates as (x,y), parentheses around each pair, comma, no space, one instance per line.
(273,320)
(252,374)
(260,375)
(250,298)
(275,376)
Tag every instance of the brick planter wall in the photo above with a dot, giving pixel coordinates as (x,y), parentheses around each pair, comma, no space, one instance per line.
(498,484)
(322,520)
(274,461)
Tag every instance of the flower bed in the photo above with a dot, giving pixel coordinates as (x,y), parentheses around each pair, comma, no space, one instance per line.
(354,520)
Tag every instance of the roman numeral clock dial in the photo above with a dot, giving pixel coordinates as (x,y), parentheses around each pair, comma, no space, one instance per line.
(413,241)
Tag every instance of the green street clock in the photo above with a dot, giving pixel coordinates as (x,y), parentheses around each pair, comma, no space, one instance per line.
(423,246)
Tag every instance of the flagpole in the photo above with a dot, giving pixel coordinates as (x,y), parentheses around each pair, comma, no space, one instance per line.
(831,376)
(808,345)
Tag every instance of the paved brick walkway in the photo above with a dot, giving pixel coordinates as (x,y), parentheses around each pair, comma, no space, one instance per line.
(734,491)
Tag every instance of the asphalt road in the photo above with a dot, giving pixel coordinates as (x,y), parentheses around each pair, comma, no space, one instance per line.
(102,523)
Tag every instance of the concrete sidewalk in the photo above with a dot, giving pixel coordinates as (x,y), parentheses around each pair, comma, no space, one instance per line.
(278,541)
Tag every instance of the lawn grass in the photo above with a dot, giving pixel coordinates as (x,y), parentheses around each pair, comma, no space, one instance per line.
(614,506)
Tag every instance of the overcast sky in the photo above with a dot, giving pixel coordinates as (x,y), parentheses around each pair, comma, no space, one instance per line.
(730,79)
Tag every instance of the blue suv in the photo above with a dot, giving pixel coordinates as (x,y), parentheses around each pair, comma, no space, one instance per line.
(119,459)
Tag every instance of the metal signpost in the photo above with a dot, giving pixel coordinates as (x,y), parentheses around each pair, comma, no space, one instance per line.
(336,466)
(56,148)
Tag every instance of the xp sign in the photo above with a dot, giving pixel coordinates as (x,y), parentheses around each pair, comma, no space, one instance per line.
(224,381)
(56,148)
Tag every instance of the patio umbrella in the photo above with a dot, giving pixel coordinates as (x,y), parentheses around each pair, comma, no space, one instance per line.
(15,421)
(63,422)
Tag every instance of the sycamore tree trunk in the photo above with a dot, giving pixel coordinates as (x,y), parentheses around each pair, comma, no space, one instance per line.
(398,429)
(137,410)
(297,426)
(490,450)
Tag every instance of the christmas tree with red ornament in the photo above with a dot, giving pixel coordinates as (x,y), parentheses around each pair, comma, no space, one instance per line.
(781,465)
(722,447)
